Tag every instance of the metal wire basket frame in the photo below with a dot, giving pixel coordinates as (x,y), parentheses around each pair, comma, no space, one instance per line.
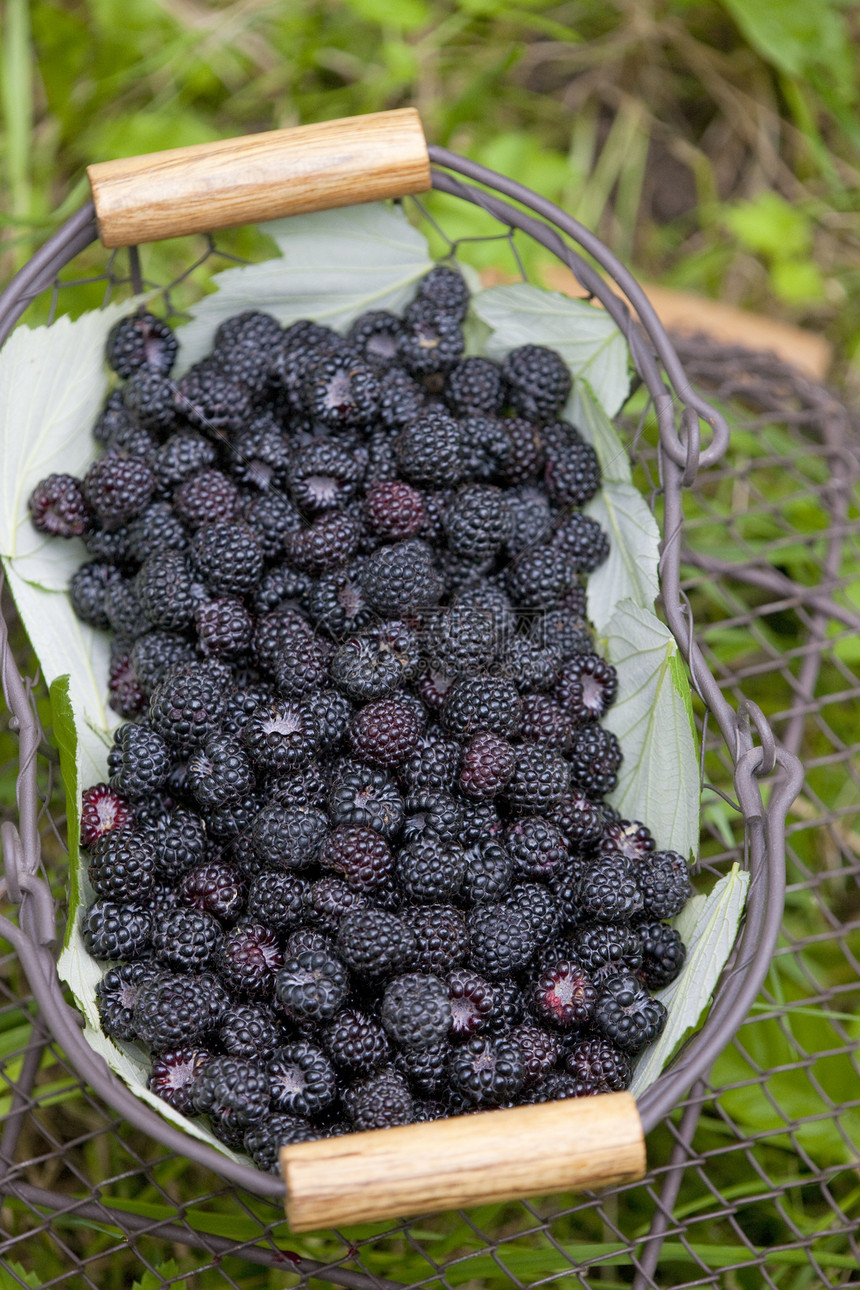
(754,752)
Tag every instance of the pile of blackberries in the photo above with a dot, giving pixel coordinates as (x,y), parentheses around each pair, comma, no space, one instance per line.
(352,866)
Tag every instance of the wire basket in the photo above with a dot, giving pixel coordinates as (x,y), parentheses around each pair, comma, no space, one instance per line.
(681,414)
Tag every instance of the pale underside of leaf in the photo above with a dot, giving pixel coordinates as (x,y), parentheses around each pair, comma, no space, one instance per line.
(630,571)
(333,266)
(658,782)
(586,338)
(709,944)
(586,413)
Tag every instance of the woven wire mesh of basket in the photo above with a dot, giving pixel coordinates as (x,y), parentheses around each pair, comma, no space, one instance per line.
(737,734)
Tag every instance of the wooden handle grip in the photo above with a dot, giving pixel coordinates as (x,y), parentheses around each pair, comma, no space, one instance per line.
(260,177)
(468,1160)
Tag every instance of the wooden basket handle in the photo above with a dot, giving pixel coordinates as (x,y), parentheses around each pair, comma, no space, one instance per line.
(468,1160)
(260,177)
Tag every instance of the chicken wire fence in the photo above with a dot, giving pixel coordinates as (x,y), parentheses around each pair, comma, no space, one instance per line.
(97,1194)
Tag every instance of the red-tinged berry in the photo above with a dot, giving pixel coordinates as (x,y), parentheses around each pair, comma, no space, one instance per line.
(471,999)
(385,732)
(488,764)
(206,497)
(58,507)
(395,510)
(216,888)
(103,810)
(174,1074)
(564,996)
(329,541)
(248,959)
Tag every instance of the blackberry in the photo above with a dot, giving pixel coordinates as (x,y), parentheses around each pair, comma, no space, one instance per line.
(329,900)
(431,871)
(562,631)
(432,767)
(594,759)
(147,397)
(538,381)
(234,1089)
(665,883)
(631,837)
(57,507)
(564,996)
(441,935)
(180,843)
(540,908)
(182,456)
(156,529)
(228,557)
(219,772)
(582,541)
(394,509)
(399,581)
(586,688)
(102,812)
(250,1030)
(540,780)
(165,590)
(330,540)
(627,1015)
(206,497)
(376,664)
(216,888)
(248,958)
(172,1010)
(540,1050)
(617,946)
(364,795)
(301,1079)
(580,820)
(187,706)
(125,695)
(572,474)
(279,583)
(116,995)
(324,475)
(271,518)
(275,628)
(277,900)
(141,340)
(224,628)
(415,1010)
(330,713)
(116,488)
(336,601)
(430,342)
(431,451)
(245,346)
(471,1000)
(489,873)
(87,590)
(110,546)
(426,1110)
(475,386)
(378,1101)
(445,289)
(539,577)
(174,1074)
(509,1007)
(432,688)
(299,666)
(524,458)
(462,640)
(487,1071)
(609,889)
(426,1068)
(536,847)
(341,390)
(312,986)
(375,943)
(138,762)
(360,855)
(596,1061)
(385,732)
(559,1086)
(232,822)
(663,954)
(482,703)
(374,336)
(280,736)
(487,766)
(285,837)
(401,400)
(438,814)
(501,940)
(478,522)
(124,612)
(208,398)
(528,668)
(531,519)
(264,1139)
(545,722)
(259,456)
(152,655)
(122,866)
(185,939)
(356,1042)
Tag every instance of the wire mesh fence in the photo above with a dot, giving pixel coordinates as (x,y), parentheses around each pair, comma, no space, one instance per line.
(753,1174)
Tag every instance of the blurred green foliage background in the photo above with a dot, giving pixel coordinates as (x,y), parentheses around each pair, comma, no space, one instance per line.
(714,144)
